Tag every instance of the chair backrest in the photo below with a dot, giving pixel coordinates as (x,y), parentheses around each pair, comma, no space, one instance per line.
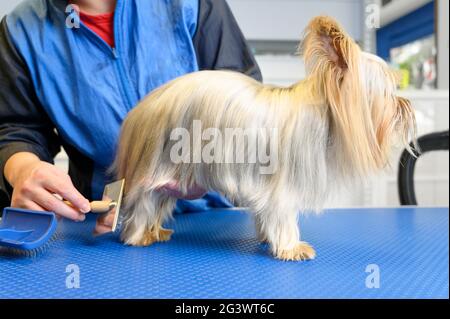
(427,143)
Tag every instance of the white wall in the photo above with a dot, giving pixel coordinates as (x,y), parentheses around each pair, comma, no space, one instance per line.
(286,19)
(7,5)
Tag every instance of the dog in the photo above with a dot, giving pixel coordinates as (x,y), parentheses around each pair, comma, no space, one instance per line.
(334,127)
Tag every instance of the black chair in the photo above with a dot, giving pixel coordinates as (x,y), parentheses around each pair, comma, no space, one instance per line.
(431,142)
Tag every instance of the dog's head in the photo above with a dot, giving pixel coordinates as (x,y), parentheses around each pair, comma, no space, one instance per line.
(359,89)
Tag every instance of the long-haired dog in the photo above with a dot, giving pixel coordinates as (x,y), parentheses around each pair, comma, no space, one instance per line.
(335,126)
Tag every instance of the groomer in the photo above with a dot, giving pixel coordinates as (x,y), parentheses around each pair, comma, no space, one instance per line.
(70,84)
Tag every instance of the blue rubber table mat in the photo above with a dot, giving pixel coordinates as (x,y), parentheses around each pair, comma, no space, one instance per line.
(215,254)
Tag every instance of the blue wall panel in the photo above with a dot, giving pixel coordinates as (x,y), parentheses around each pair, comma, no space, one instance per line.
(415,25)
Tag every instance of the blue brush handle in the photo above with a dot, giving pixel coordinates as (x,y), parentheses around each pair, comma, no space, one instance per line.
(26,229)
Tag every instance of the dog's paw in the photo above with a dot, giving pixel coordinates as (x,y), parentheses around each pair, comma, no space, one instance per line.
(302,251)
(165,234)
(147,239)
(151,237)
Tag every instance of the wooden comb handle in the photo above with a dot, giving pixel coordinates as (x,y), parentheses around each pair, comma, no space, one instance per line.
(98,207)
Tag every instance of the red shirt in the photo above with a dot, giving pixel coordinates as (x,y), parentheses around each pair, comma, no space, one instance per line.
(102,24)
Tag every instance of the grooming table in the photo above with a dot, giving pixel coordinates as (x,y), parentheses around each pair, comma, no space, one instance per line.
(215,254)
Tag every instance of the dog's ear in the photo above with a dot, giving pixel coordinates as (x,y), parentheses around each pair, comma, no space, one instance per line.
(336,74)
(406,125)
(326,45)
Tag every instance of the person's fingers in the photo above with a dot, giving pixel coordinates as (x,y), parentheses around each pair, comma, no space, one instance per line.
(101,229)
(104,224)
(107,219)
(31,206)
(31,191)
(49,202)
(64,187)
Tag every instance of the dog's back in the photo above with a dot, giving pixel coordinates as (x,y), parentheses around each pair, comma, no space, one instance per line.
(195,104)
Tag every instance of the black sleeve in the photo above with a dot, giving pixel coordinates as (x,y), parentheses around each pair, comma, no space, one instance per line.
(24,125)
(219,42)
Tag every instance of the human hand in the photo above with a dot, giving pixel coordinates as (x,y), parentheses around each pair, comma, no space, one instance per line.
(35,184)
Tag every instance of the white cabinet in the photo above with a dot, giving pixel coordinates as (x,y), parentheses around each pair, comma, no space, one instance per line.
(432,169)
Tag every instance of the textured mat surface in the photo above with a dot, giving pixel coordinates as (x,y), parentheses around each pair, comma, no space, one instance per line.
(215,255)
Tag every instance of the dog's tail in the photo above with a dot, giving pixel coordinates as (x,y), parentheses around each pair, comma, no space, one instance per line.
(140,147)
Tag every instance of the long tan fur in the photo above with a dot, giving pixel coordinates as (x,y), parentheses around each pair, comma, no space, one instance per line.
(336,125)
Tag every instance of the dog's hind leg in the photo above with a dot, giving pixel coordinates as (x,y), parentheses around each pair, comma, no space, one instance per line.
(144,219)
(279,227)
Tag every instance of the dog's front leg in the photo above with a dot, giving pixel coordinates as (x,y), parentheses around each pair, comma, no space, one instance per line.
(280,229)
